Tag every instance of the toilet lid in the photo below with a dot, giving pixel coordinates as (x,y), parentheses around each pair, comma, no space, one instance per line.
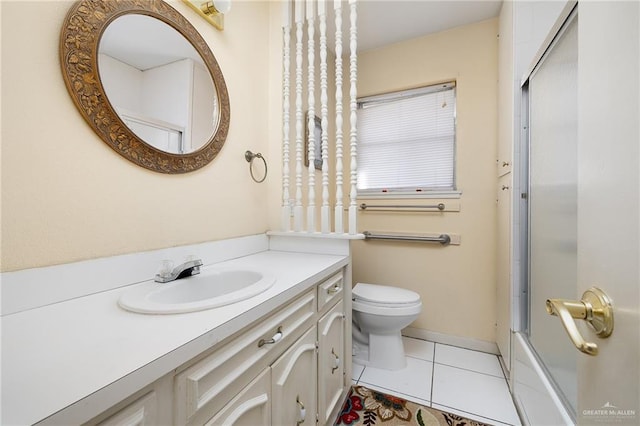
(384,294)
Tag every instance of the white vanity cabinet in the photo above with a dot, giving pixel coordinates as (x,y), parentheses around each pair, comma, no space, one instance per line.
(284,393)
(308,381)
(206,386)
(287,367)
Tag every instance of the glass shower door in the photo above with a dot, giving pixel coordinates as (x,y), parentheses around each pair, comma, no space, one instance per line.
(553,124)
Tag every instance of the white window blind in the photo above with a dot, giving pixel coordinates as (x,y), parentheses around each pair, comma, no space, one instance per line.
(406,140)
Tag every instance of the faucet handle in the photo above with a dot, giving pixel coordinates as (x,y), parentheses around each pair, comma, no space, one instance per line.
(165,269)
(193,258)
(195,263)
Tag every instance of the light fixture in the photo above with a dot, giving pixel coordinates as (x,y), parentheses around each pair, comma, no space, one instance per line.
(211,10)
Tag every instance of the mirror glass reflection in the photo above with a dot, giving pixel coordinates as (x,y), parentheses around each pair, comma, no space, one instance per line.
(158,84)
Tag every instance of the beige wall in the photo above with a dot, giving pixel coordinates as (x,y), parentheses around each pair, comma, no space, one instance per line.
(457,283)
(67,196)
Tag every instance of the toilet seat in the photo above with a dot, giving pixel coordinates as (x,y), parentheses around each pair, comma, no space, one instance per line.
(385,300)
(384,295)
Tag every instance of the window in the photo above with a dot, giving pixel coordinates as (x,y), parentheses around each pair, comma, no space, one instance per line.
(406,141)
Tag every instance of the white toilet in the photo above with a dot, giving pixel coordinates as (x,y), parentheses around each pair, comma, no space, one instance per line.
(379,314)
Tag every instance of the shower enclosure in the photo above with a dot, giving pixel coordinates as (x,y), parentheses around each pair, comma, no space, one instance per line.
(581,207)
(553,203)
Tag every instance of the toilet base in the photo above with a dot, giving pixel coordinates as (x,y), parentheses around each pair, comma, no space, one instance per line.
(383,351)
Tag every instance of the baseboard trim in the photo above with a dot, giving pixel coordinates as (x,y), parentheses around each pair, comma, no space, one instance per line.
(448,339)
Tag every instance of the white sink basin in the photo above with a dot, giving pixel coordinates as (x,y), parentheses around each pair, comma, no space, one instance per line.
(212,288)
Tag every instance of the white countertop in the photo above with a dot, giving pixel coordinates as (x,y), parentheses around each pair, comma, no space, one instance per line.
(92,350)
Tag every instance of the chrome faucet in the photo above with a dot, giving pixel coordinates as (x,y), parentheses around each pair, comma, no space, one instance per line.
(188,268)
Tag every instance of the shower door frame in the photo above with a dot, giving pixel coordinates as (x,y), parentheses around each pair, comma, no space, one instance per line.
(522,351)
(608,239)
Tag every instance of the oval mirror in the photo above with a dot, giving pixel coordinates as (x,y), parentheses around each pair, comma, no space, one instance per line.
(146,82)
(158,84)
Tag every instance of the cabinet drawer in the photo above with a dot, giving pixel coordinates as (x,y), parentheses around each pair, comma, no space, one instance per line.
(251,407)
(140,412)
(205,387)
(330,291)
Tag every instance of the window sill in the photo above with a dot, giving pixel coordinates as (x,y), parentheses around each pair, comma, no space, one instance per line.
(400,195)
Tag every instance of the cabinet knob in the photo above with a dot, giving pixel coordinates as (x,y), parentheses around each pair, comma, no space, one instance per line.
(336,361)
(334,289)
(276,337)
(302,413)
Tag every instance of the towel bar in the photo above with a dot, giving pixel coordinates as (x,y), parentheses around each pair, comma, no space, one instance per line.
(443,239)
(365,206)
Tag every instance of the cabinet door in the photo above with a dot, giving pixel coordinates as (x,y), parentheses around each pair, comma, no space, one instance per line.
(331,359)
(252,406)
(294,383)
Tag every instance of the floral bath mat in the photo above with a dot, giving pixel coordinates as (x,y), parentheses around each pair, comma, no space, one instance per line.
(368,407)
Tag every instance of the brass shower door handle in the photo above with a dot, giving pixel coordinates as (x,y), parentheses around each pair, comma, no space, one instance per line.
(595,307)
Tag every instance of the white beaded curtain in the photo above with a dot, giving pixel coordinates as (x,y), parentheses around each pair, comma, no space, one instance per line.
(315,67)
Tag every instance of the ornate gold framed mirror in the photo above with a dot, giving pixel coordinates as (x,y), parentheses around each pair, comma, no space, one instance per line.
(146,82)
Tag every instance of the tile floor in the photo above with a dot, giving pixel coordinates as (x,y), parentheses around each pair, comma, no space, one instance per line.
(456,380)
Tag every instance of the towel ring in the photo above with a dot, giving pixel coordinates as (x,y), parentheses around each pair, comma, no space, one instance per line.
(249,156)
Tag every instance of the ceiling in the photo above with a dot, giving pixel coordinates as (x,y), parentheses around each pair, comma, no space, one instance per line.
(382,22)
